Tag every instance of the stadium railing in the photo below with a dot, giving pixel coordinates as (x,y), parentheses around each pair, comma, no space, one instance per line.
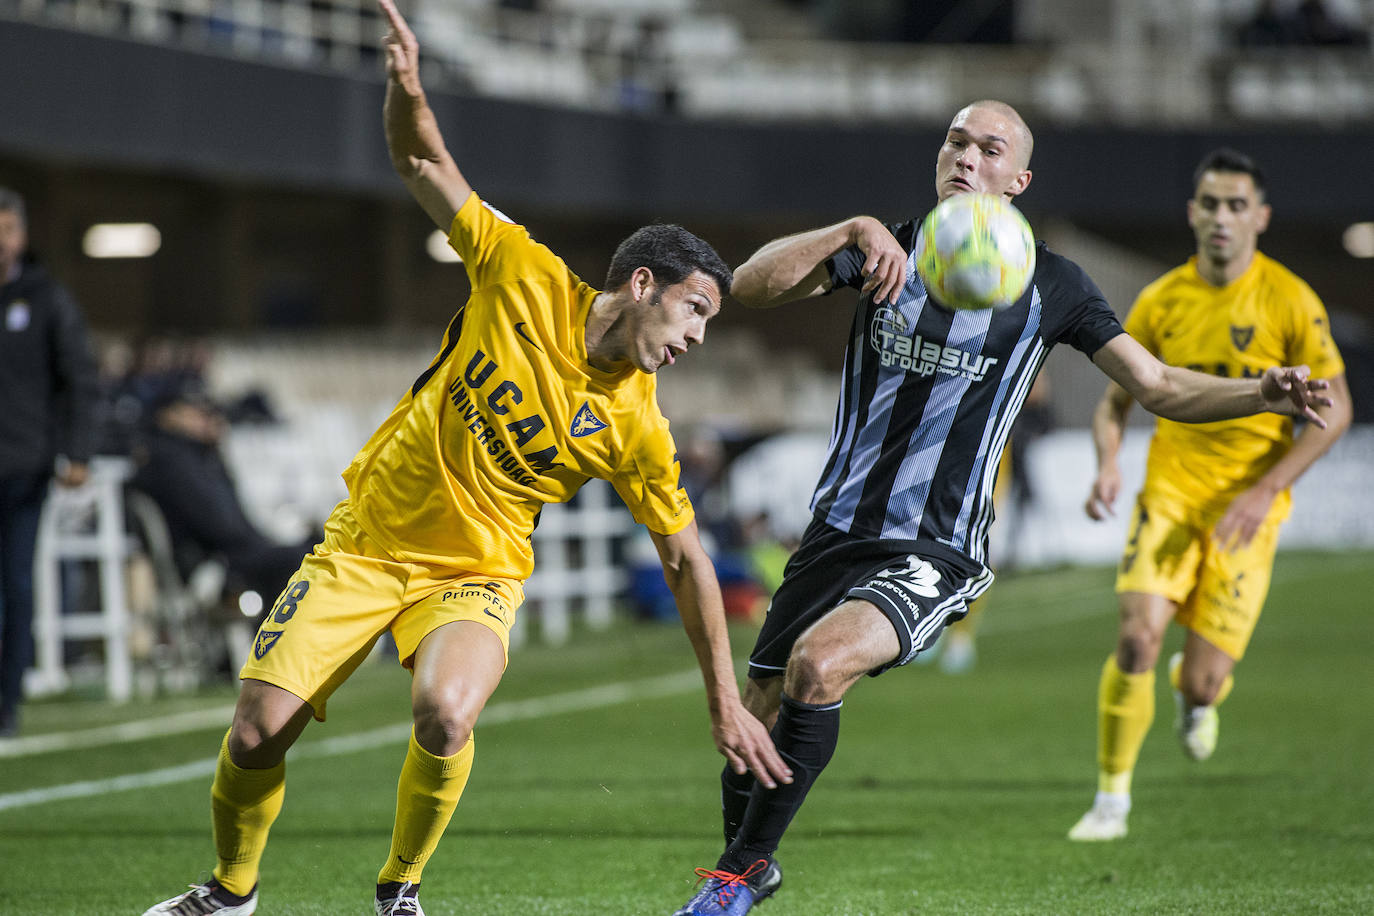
(84,524)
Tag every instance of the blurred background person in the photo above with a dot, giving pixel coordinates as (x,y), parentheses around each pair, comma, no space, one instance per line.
(48,384)
(178,461)
(1205,526)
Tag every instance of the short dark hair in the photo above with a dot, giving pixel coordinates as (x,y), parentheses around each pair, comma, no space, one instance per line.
(1229,160)
(671,252)
(13,202)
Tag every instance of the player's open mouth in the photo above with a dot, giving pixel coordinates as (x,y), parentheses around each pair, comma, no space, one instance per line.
(669,358)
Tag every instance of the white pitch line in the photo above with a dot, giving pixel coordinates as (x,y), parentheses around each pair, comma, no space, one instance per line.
(136,730)
(497,714)
(594,697)
(220,716)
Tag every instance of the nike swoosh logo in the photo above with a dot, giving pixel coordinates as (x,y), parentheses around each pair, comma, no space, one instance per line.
(488,612)
(407,861)
(520,329)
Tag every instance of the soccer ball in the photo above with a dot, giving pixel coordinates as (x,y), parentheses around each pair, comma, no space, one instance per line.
(975,251)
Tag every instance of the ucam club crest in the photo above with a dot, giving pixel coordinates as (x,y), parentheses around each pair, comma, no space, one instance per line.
(264,642)
(585,423)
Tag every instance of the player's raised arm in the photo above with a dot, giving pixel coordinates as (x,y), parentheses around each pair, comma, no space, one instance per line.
(412,133)
(793,267)
(1194,397)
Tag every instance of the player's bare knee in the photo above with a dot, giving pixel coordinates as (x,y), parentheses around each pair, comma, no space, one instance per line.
(253,744)
(1137,649)
(267,721)
(1200,688)
(443,722)
(813,675)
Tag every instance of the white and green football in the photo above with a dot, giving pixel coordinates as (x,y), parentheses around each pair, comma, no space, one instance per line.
(975,251)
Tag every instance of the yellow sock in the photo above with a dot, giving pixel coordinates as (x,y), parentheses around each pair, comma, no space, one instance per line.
(243,805)
(427,793)
(1224,690)
(1125,710)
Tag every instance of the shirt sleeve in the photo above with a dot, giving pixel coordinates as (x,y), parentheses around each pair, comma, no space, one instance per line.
(846,267)
(1311,344)
(1078,312)
(495,248)
(1140,326)
(650,484)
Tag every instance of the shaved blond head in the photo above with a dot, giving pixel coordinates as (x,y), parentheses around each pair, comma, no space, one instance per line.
(1024,141)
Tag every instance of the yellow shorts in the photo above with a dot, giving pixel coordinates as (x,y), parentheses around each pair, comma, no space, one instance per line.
(1220,594)
(347,593)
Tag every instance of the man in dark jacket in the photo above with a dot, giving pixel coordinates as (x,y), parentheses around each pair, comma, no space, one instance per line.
(48,387)
(180,466)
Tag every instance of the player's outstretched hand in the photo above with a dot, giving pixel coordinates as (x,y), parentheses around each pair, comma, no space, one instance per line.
(402,49)
(746,745)
(884,261)
(1288,390)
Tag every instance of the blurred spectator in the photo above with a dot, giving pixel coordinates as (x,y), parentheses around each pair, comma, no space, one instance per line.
(702,462)
(645,84)
(744,551)
(117,413)
(48,383)
(767,555)
(178,464)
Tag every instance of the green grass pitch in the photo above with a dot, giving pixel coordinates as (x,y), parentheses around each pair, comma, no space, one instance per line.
(948,794)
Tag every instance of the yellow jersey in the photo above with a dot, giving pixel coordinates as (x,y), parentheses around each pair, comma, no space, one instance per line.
(511,416)
(1266,317)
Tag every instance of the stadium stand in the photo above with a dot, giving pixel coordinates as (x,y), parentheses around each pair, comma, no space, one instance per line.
(1159,63)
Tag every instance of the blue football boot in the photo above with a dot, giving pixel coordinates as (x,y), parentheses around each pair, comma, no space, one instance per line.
(724,893)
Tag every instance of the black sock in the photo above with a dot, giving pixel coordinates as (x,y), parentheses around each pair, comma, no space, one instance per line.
(805,736)
(389,890)
(226,896)
(734,799)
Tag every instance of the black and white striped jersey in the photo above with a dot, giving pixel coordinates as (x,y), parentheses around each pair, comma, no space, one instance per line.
(929,396)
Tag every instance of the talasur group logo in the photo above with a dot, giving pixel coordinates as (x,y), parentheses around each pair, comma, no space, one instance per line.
(900,348)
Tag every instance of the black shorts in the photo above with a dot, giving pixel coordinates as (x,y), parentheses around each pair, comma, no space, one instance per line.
(921,587)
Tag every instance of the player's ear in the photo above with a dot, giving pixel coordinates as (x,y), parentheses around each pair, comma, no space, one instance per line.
(1262,217)
(641,283)
(1023,180)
